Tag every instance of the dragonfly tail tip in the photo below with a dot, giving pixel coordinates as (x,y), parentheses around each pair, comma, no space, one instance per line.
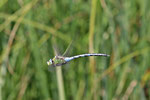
(108,55)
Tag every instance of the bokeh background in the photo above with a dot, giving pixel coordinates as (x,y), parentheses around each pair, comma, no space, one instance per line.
(30,29)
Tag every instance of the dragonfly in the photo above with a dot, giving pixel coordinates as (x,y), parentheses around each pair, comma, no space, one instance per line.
(60,60)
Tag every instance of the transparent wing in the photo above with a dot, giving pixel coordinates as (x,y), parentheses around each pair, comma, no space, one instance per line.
(68,49)
(55,49)
(50,68)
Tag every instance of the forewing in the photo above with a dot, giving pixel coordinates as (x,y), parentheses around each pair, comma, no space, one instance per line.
(56,51)
(68,49)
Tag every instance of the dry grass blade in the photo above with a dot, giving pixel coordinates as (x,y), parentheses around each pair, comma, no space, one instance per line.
(59,74)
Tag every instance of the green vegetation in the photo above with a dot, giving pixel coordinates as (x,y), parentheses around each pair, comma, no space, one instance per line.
(29,29)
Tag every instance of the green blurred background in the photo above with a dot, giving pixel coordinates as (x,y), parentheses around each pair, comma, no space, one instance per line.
(30,28)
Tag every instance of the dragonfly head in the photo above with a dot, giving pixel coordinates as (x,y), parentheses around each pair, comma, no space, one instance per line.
(50,62)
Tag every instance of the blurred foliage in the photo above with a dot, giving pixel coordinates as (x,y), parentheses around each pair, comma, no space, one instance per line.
(116,27)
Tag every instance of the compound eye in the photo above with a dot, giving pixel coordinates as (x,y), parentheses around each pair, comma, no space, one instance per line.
(50,62)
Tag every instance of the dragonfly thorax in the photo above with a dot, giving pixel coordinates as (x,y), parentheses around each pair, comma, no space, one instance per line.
(56,61)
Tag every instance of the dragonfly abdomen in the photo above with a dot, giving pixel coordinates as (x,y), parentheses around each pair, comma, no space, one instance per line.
(92,54)
(67,59)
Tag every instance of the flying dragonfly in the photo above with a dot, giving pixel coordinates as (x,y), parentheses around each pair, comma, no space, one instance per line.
(60,60)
